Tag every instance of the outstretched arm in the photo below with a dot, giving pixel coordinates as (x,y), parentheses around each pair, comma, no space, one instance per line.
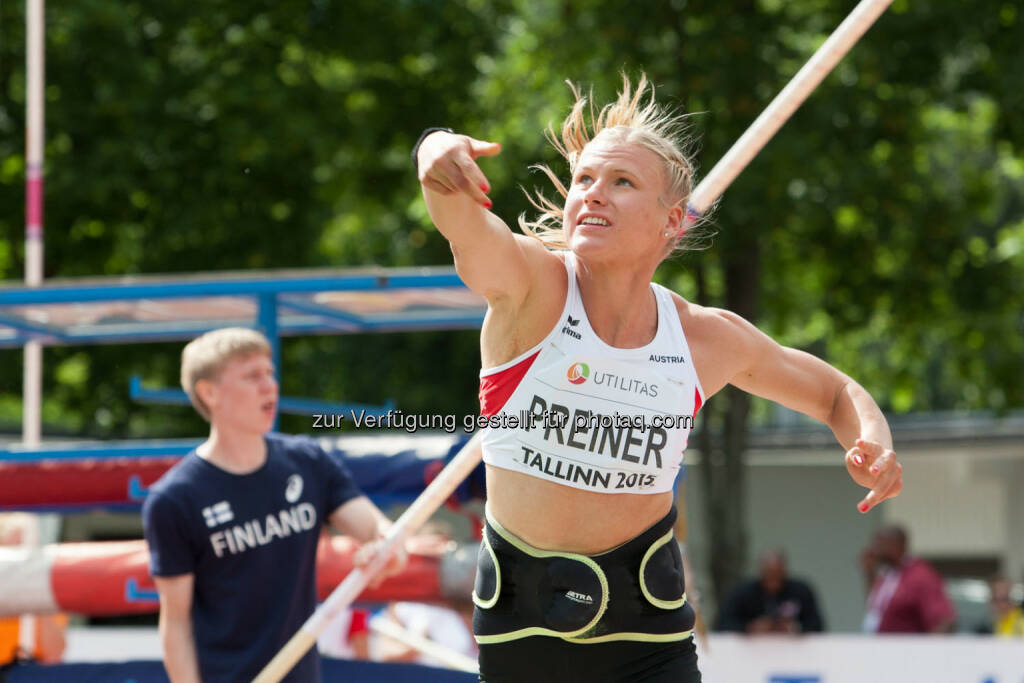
(870,459)
(759,365)
(493,261)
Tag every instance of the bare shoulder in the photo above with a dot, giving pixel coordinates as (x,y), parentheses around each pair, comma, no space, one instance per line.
(546,262)
(721,342)
(547,279)
(514,325)
(708,323)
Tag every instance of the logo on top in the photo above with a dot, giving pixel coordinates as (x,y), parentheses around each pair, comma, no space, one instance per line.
(219,513)
(293,489)
(578,373)
(569,329)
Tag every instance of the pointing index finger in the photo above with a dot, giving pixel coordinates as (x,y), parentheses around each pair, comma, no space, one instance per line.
(471,180)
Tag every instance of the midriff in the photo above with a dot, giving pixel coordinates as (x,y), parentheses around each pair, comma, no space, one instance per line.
(550,516)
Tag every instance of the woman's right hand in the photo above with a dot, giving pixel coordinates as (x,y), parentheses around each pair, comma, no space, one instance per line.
(447,165)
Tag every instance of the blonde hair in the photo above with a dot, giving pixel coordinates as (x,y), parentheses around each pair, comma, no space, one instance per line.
(205,357)
(627,120)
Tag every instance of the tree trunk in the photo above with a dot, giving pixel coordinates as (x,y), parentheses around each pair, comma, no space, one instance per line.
(722,440)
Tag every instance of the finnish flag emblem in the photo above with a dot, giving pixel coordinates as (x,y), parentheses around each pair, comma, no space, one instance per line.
(218,513)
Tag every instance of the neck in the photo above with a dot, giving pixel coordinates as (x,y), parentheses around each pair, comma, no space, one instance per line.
(236,452)
(619,302)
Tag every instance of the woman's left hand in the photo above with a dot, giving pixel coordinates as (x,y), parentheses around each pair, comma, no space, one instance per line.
(874,466)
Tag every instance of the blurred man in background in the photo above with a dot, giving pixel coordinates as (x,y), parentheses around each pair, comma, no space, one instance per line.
(771,603)
(906,594)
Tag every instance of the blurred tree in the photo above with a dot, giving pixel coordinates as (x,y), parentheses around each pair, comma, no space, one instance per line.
(235,135)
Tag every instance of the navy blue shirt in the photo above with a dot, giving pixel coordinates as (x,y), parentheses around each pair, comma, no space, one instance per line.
(749,601)
(250,541)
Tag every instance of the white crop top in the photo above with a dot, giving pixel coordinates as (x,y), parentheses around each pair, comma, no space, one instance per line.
(578,412)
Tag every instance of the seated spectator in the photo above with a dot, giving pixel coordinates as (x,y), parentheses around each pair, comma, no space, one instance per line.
(771,603)
(347,636)
(906,594)
(1007,615)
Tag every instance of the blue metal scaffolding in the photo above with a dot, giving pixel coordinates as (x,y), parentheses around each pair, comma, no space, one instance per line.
(278,303)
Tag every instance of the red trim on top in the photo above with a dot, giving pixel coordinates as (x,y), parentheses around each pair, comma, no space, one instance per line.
(496,389)
(697,403)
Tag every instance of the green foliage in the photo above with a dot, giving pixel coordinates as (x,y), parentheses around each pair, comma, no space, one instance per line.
(231,135)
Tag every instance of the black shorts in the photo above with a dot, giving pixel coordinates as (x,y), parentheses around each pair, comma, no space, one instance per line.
(635,591)
(541,659)
(618,616)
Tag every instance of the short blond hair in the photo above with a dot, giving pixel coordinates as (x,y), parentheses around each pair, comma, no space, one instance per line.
(628,120)
(205,357)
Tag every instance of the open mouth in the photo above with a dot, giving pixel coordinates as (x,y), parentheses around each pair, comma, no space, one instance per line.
(594,221)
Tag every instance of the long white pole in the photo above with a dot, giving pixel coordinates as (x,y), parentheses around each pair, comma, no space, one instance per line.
(32,372)
(35,75)
(785,103)
(450,658)
(348,590)
(712,187)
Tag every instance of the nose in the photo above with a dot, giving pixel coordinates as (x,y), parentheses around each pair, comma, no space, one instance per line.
(594,194)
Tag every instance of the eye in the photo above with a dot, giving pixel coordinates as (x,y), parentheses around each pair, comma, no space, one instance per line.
(625,181)
(584,179)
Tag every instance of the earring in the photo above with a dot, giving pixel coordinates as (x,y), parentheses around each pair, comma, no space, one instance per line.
(667,233)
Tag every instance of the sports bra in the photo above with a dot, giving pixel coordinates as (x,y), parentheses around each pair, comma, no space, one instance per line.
(578,412)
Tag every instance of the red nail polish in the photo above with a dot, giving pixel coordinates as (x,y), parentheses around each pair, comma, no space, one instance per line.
(874,469)
(863,507)
(857,460)
(488,204)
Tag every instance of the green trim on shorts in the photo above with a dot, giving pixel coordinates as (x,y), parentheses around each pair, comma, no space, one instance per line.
(628,635)
(535,552)
(663,604)
(487,604)
(608,637)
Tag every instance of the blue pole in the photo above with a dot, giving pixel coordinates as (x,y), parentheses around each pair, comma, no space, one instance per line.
(267,323)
